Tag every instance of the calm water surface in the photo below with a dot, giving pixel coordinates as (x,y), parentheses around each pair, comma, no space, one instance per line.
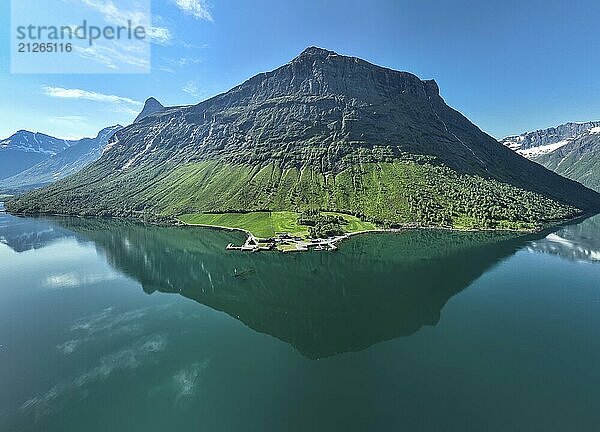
(108,325)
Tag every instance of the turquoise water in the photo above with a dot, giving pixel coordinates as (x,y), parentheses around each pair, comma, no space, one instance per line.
(108,325)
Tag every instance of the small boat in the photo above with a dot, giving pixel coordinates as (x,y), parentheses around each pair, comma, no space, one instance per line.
(242,273)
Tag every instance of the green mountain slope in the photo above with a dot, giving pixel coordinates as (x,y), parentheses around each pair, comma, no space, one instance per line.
(323,131)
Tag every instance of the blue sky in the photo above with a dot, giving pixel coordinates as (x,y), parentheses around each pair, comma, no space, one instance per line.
(509,66)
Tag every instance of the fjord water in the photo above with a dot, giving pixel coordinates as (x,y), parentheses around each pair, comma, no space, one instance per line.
(114,325)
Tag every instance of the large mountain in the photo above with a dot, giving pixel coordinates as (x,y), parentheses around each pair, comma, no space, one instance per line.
(25,149)
(572,150)
(323,131)
(72,159)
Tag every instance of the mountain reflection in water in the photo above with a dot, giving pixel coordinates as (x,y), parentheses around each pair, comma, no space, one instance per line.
(375,288)
(578,242)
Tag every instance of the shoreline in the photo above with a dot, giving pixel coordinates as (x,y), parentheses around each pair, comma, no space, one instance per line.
(304,245)
(331,243)
(253,243)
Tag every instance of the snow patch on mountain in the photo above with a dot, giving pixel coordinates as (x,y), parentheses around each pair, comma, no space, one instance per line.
(30,142)
(541,150)
(545,141)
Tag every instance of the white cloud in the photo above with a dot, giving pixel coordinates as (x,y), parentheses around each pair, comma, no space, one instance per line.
(171,65)
(196,8)
(70,118)
(160,35)
(191,88)
(113,14)
(185,61)
(73,279)
(142,352)
(107,321)
(64,93)
(68,347)
(165,69)
(113,56)
(188,45)
(123,54)
(187,380)
(122,16)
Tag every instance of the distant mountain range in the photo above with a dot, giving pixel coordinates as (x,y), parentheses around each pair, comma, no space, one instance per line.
(572,150)
(72,159)
(325,131)
(25,149)
(32,160)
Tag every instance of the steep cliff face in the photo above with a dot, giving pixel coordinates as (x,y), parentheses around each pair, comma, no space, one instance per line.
(318,110)
(326,131)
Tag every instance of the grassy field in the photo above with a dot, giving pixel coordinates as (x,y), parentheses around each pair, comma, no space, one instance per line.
(261,224)
(267,224)
(354,223)
(286,221)
(258,223)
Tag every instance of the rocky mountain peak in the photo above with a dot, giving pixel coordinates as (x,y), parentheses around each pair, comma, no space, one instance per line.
(37,142)
(322,73)
(314,51)
(151,106)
